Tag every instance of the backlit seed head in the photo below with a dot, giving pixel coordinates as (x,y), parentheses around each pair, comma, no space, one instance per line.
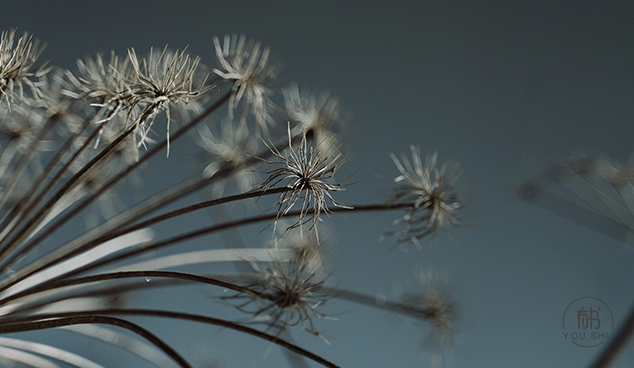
(435,195)
(308,171)
(248,66)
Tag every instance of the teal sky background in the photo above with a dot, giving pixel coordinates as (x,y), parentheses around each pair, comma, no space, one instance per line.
(504,88)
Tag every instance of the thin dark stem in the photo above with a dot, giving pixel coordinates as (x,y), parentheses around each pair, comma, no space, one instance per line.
(104,293)
(26,321)
(610,353)
(163,199)
(159,147)
(78,208)
(345,294)
(25,208)
(197,233)
(195,207)
(23,232)
(215,228)
(126,275)
(42,322)
(371,301)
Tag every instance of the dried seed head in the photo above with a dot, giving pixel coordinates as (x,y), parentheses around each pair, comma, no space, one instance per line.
(231,147)
(435,196)
(438,308)
(248,66)
(16,66)
(307,171)
(161,79)
(307,248)
(318,114)
(285,295)
(105,85)
(605,186)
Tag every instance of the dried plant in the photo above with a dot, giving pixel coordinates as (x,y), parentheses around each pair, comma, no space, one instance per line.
(437,196)
(73,141)
(307,171)
(247,66)
(286,294)
(606,192)
(16,66)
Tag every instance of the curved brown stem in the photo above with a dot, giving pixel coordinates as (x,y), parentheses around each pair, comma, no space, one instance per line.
(14,325)
(609,354)
(42,323)
(159,147)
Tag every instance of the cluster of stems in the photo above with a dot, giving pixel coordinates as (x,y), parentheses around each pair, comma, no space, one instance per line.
(72,142)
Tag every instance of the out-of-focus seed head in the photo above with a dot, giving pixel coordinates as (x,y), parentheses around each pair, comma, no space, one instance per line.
(435,195)
(104,85)
(231,147)
(285,295)
(248,66)
(306,247)
(316,113)
(438,308)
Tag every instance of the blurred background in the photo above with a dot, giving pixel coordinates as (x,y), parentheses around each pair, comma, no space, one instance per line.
(504,88)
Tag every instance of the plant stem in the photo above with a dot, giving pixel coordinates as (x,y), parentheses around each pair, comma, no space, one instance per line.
(609,354)
(38,323)
(68,318)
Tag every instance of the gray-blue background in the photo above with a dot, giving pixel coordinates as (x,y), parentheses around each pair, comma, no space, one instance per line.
(503,87)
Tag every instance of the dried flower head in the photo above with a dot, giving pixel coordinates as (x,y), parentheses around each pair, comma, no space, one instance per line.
(607,187)
(57,105)
(309,248)
(20,128)
(232,147)
(306,171)
(434,194)
(163,78)
(434,300)
(598,170)
(285,295)
(319,115)
(105,85)
(16,65)
(248,66)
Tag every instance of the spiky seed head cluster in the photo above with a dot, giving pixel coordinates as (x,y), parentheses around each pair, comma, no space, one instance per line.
(246,64)
(133,91)
(285,295)
(19,125)
(577,166)
(620,176)
(57,106)
(105,84)
(435,196)
(316,113)
(164,78)
(16,65)
(308,248)
(231,147)
(438,308)
(307,171)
